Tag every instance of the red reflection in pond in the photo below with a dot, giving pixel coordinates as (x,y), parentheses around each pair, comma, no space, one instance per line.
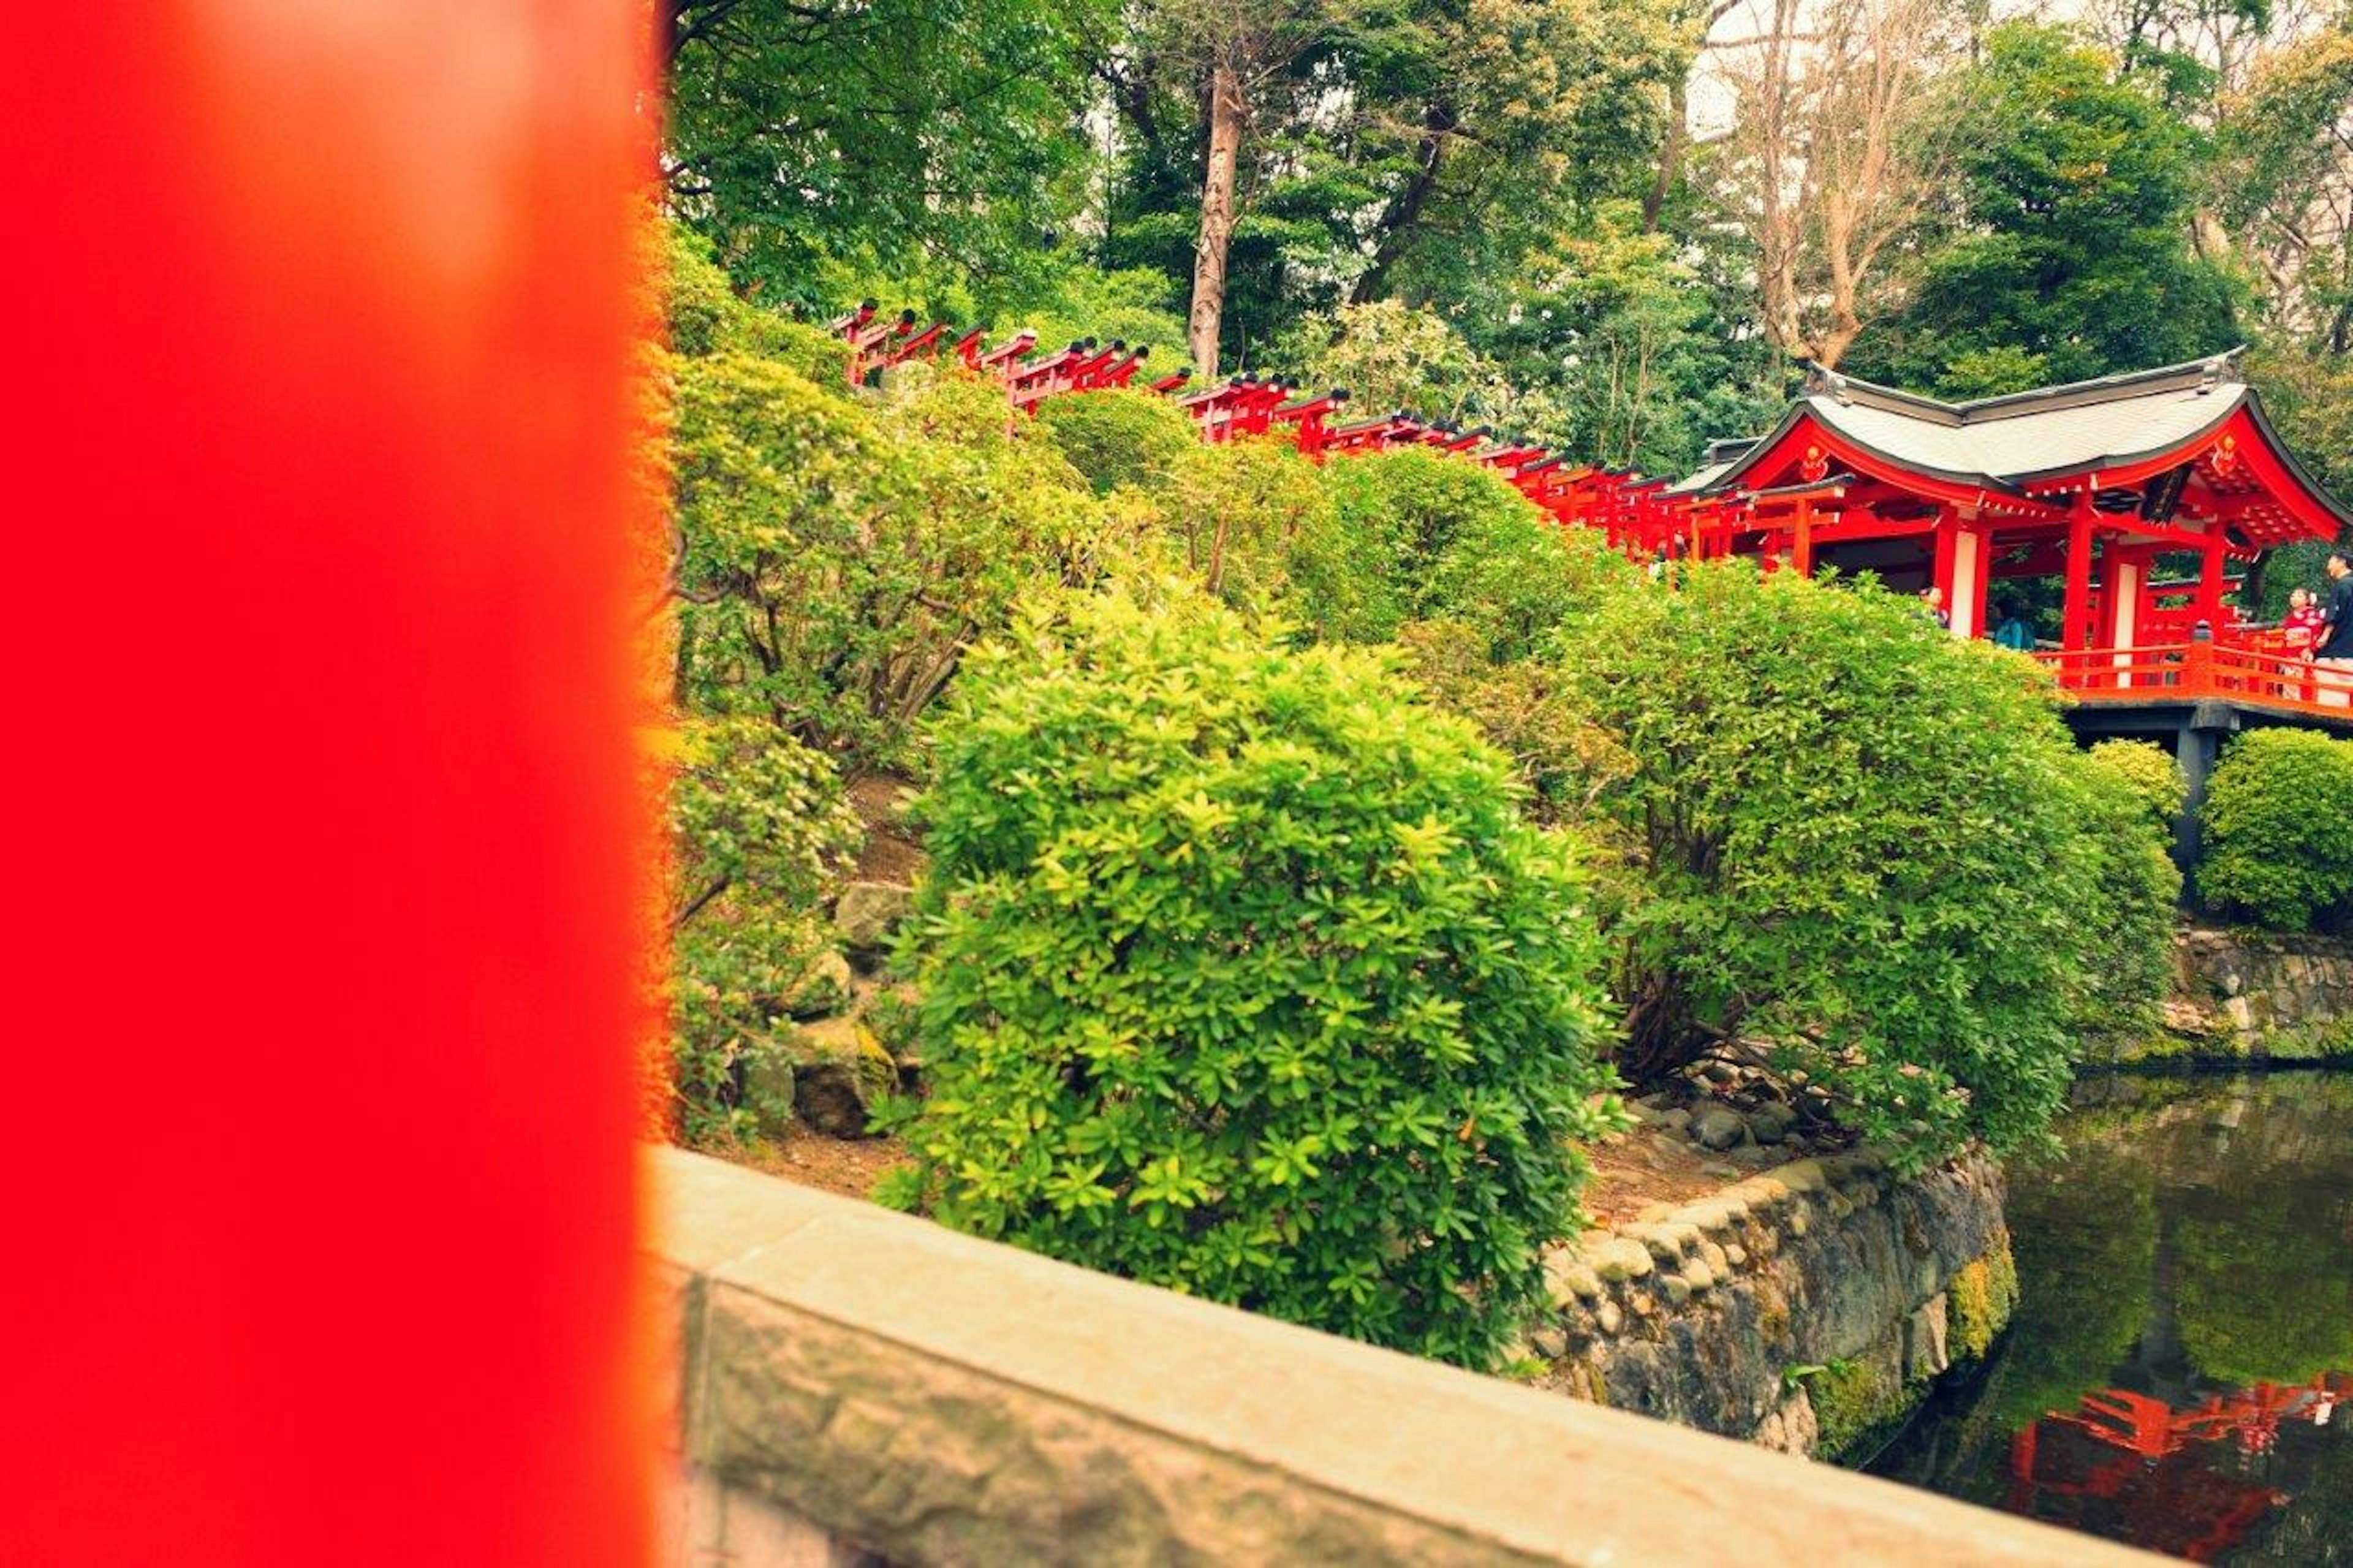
(2171,1479)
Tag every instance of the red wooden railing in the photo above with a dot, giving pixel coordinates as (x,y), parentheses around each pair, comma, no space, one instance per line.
(1629,507)
(2256,672)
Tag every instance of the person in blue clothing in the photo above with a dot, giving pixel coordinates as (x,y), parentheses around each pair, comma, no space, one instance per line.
(2013,633)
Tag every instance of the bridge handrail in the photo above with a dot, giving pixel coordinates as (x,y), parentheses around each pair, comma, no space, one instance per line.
(2189,671)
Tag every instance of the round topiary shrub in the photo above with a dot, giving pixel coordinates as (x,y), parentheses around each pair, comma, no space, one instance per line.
(1119,436)
(1243,975)
(1859,838)
(2279,830)
(2147,771)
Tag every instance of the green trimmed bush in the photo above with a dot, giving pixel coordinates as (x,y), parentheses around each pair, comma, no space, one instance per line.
(1119,436)
(1855,836)
(2124,795)
(1254,525)
(706,317)
(2148,772)
(1243,975)
(2279,830)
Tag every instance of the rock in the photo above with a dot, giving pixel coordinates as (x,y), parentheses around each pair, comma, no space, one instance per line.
(1697,1275)
(1678,1288)
(768,1086)
(1665,1247)
(1549,1342)
(840,1070)
(1619,1259)
(1718,1261)
(1718,1126)
(1771,1121)
(1803,1176)
(1720,1072)
(1571,1281)
(1607,1318)
(867,913)
(823,991)
(1675,1120)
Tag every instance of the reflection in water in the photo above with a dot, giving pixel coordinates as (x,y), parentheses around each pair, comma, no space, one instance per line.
(2180,1371)
(2191,1482)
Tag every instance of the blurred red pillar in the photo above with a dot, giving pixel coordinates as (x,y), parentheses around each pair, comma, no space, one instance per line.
(318,1186)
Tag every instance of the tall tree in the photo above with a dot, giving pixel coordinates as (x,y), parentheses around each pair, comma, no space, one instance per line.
(879,132)
(1484,123)
(1837,148)
(1229,54)
(2070,258)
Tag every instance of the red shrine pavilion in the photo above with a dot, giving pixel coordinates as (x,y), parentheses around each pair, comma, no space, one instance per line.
(2110,485)
(2096,482)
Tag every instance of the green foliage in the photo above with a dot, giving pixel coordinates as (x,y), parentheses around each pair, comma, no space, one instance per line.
(2074,217)
(1392,356)
(874,133)
(1414,150)
(1859,838)
(2148,773)
(707,317)
(1516,577)
(759,830)
(1528,711)
(1120,437)
(1426,523)
(1615,328)
(2123,795)
(837,560)
(1243,975)
(2279,830)
(1256,527)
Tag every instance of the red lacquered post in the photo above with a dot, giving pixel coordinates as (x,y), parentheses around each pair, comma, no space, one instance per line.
(318,1179)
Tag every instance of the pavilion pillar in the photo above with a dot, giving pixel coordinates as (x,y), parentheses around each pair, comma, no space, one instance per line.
(1801,538)
(2210,579)
(2075,627)
(1964,598)
(1940,570)
(2126,572)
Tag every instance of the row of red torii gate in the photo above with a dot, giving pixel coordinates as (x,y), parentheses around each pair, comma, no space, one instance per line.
(2142,493)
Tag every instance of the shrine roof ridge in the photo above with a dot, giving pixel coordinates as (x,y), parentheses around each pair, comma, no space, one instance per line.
(2207,374)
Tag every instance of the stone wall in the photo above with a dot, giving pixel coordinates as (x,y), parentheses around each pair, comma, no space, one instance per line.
(1809,1307)
(2244,998)
(858,1387)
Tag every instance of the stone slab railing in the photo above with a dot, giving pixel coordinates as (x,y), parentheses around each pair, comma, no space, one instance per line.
(856,1384)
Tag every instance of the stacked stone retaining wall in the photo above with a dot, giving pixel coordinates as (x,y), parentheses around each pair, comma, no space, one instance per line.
(1810,1308)
(2248,998)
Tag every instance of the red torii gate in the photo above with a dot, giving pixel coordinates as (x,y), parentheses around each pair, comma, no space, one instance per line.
(2094,482)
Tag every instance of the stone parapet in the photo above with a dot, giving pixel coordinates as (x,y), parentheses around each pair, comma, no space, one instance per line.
(858,1385)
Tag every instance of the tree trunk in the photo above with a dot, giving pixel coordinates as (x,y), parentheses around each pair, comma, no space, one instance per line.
(1226,113)
(1404,211)
(1671,156)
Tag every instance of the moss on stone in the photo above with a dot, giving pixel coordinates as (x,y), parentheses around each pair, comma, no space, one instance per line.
(1982,1297)
(1857,1404)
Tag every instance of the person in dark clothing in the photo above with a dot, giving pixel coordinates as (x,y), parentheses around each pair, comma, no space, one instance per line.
(2332,657)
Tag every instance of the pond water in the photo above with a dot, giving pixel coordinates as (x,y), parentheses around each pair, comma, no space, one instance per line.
(2180,1375)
